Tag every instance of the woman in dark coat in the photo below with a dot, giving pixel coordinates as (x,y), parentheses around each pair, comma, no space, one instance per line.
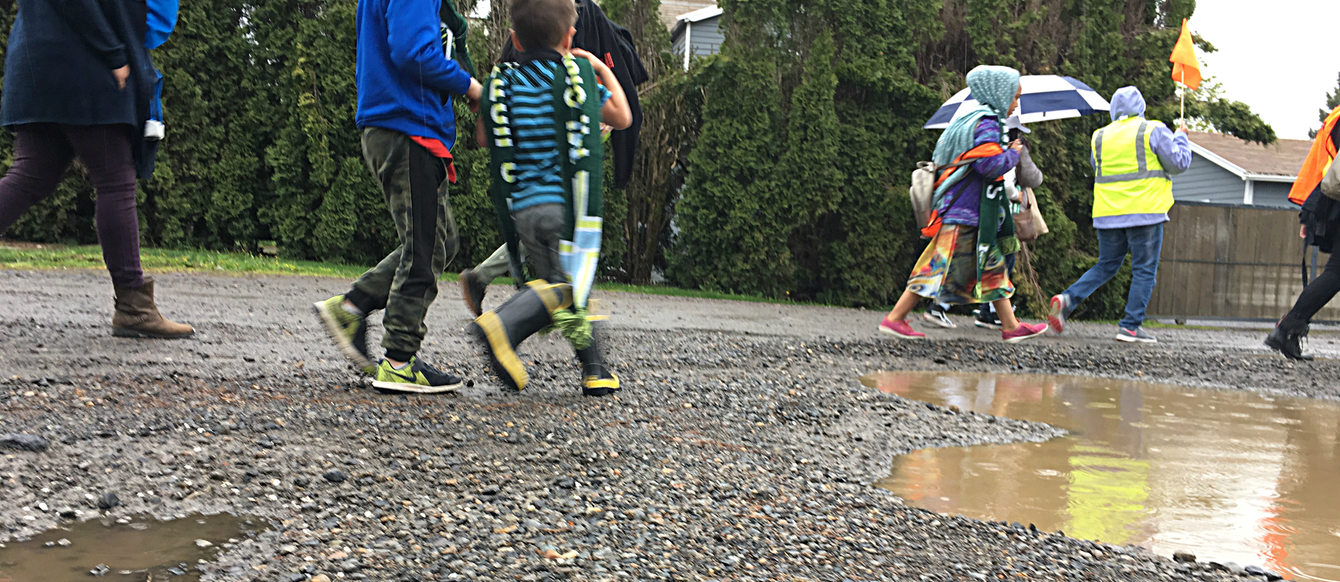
(77,84)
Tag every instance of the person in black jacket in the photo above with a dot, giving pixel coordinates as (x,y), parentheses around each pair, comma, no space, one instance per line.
(78,81)
(1320,218)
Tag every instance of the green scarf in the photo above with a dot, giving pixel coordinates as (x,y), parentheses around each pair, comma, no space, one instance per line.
(581,153)
(459,28)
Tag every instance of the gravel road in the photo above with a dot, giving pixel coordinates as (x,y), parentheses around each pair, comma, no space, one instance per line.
(742,447)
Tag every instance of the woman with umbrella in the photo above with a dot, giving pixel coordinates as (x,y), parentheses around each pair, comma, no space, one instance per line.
(965,260)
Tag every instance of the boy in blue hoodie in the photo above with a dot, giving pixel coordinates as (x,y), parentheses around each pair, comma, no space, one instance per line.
(405,83)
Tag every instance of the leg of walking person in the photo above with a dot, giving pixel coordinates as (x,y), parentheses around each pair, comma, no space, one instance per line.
(496,265)
(105,152)
(41,155)
(414,183)
(427,240)
(1112,248)
(1146,244)
(1287,335)
(1316,295)
(475,281)
(895,323)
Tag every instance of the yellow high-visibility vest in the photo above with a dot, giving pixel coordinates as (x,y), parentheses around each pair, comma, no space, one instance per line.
(1128,176)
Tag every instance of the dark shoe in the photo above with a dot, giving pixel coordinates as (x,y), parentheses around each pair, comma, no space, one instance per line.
(1288,342)
(501,330)
(601,382)
(137,315)
(986,319)
(472,290)
(597,379)
(415,378)
(937,316)
(349,331)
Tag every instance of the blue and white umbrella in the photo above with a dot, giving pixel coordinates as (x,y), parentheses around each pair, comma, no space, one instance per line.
(1043,98)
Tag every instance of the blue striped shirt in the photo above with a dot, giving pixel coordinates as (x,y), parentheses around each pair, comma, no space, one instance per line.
(531,105)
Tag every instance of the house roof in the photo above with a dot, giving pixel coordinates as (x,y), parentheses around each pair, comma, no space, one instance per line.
(1277,162)
(671,10)
(694,17)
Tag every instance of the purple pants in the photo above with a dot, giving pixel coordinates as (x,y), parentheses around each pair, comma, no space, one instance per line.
(42,152)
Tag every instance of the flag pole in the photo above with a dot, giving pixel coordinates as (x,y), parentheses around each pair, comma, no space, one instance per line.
(1183,71)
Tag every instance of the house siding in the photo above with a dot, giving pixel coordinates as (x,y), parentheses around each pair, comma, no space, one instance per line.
(706,38)
(1205,181)
(1272,195)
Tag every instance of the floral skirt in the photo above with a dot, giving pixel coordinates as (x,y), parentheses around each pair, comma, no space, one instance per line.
(947,270)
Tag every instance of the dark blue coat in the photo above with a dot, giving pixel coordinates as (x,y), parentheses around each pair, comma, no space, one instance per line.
(58,68)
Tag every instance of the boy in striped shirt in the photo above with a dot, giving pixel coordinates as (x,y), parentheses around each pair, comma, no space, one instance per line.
(539,119)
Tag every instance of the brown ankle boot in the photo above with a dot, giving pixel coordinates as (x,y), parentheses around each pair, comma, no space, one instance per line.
(138,316)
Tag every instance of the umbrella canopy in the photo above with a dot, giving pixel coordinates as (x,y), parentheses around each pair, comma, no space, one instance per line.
(1042,98)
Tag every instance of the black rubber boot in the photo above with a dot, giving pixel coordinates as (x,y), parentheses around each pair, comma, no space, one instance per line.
(1287,338)
(597,379)
(503,329)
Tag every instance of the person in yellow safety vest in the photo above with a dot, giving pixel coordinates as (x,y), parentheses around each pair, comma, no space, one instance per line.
(1133,160)
(1320,216)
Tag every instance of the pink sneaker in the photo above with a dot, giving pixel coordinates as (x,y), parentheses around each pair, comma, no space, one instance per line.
(1023,332)
(900,329)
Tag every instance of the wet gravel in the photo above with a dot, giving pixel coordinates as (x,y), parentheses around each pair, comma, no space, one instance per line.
(742,448)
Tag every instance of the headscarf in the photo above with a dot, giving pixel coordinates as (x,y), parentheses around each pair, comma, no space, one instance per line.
(994,88)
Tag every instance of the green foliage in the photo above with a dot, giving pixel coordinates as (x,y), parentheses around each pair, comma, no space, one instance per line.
(733,238)
(1332,101)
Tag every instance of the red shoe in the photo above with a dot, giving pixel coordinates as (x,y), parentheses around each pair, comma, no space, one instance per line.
(1023,332)
(900,329)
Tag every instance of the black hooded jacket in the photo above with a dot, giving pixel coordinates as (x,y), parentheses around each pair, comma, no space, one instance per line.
(608,41)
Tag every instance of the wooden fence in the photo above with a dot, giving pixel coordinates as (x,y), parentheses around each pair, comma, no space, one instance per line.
(1232,262)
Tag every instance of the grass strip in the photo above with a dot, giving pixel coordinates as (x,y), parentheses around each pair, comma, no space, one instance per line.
(28,256)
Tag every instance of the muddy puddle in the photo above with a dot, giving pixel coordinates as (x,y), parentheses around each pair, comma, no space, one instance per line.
(140,550)
(1227,476)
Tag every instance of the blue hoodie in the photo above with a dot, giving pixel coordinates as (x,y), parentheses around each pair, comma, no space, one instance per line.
(404,78)
(1173,150)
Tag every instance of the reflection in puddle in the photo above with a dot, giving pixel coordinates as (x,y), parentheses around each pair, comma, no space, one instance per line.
(1227,476)
(141,549)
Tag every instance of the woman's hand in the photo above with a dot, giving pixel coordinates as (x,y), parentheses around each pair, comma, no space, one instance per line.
(121,75)
(1302,231)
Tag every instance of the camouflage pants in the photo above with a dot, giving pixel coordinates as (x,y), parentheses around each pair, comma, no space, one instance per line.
(405,282)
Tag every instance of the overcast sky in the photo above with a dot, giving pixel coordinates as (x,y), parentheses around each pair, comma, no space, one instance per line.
(1281,57)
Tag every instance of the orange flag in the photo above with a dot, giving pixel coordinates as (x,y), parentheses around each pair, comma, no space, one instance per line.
(1186,69)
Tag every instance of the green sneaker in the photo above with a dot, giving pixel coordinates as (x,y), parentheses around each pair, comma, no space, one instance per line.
(415,378)
(349,331)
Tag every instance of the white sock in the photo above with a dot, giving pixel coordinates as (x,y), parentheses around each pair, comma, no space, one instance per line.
(351,308)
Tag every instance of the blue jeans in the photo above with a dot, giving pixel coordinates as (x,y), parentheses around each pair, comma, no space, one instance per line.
(1144,243)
